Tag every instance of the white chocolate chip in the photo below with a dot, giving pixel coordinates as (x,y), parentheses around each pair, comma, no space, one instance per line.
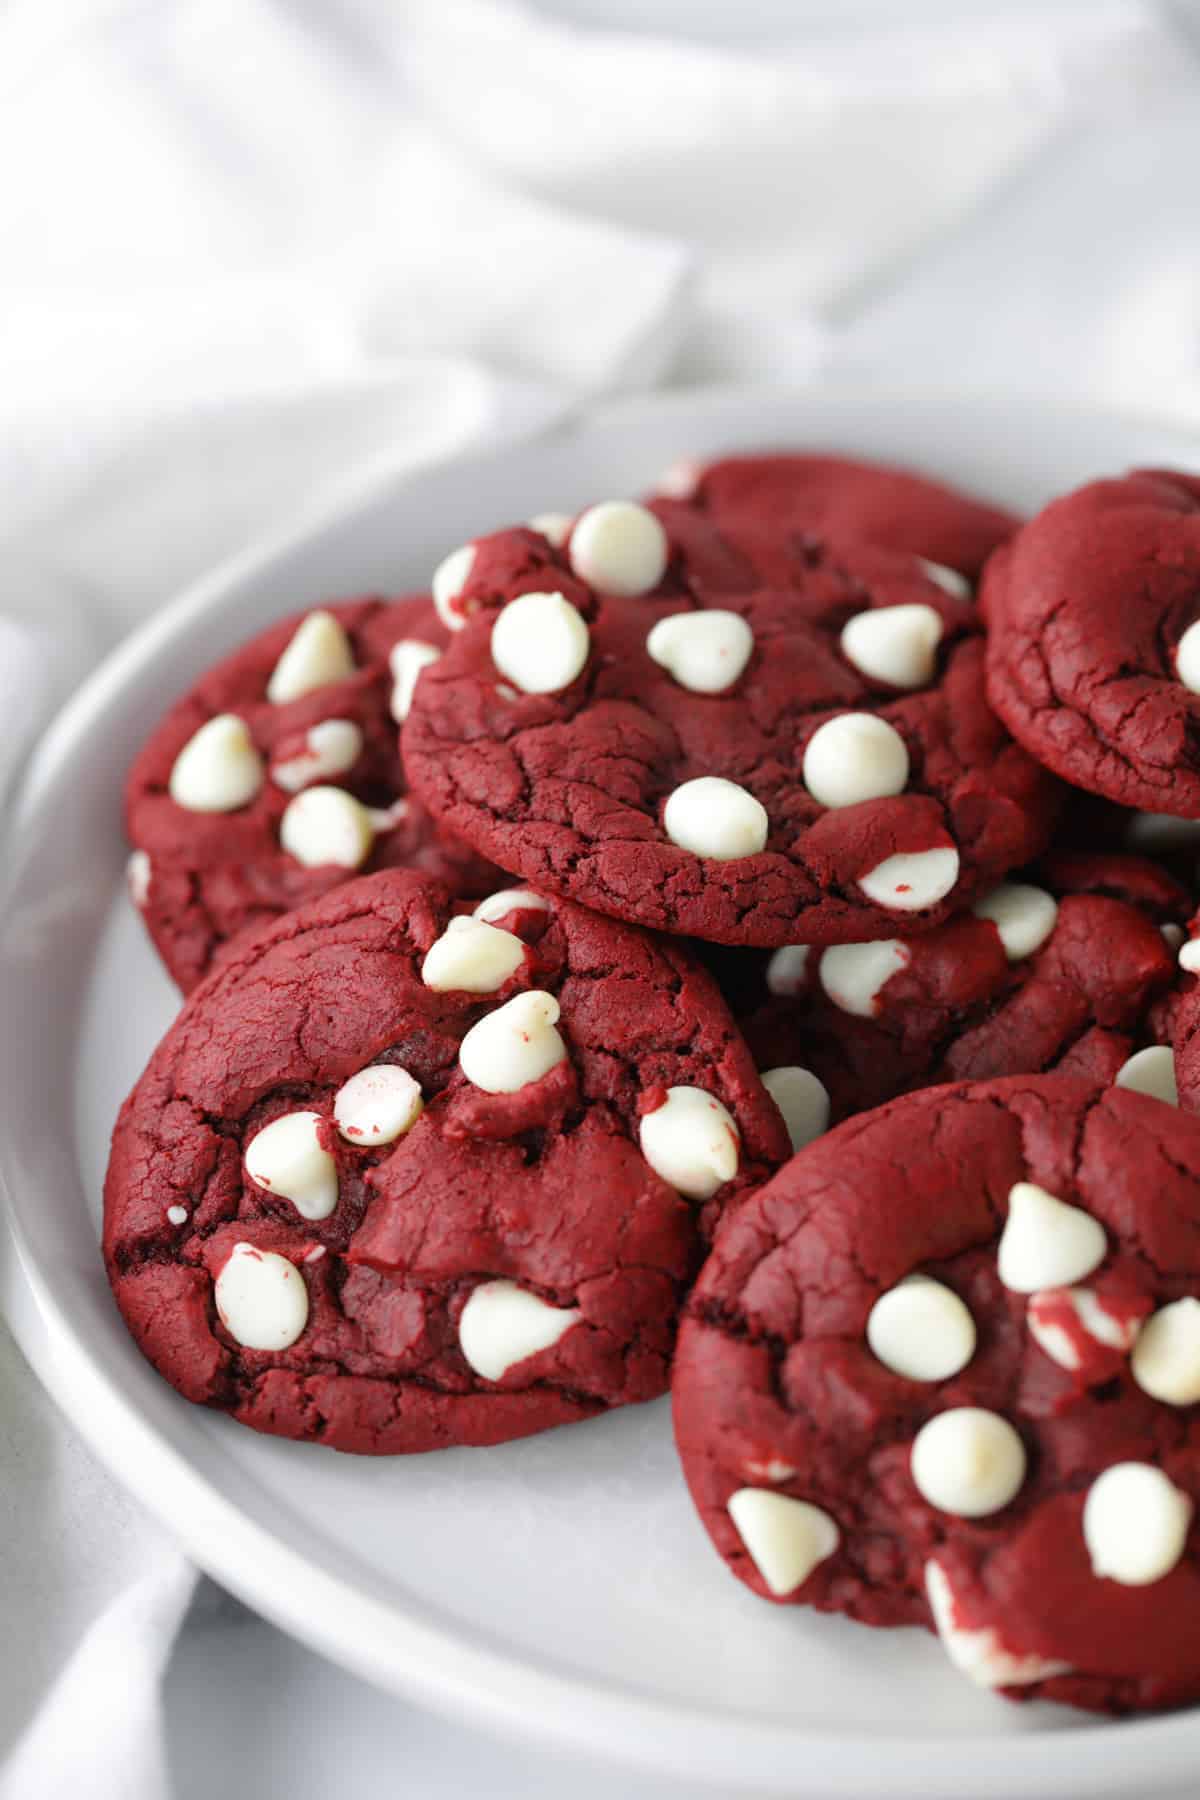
(895,644)
(1024,917)
(449,579)
(386,818)
(1187,658)
(716,818)
(137,878)
(854,975)
(1135,1524)
(691,1141)
(1046,1243)
(218,768)
(1050,1335)
(1161,834)
(502,1324)
(680,479)
(1150,1072)
(261,1299)
(406,661)
(508,900)
(330,748)
(541,643)
(1172,936)
(949,580)
(1166,1357)
(1092,1317)
(472,957)
(706,652)
(177,1215)
(318,655)
(288,1158)
(922,1330)
(555,527)
(326,825)
(378,1105)
(1189,957)
(968,1462)
(852,757)
(772,1469)
(1115,1333)
(803,1101)
(619,547)
(979,1652)
(909,883)
(514,1045)
(787,969)
(785,1539)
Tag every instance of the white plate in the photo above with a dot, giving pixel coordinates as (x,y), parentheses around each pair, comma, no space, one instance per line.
(562,1586)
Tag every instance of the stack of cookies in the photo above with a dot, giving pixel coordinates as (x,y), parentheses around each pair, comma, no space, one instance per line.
(736,942)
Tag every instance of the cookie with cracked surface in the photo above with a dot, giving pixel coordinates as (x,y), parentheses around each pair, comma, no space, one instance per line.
(614,547)
(1071,967)
(791,497)
(398,1178)
(279,776)
(944,1370)
(810,761)
(1185,1018)
(1094,639)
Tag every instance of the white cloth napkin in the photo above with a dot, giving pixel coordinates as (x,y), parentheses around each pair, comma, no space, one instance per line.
(251,250)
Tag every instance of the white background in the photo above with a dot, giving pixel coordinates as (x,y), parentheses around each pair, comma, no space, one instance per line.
(250,246)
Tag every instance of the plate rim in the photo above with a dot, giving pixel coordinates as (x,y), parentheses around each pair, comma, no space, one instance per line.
(393,1646)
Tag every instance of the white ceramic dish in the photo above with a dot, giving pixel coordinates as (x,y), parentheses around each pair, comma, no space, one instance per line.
(559,1587)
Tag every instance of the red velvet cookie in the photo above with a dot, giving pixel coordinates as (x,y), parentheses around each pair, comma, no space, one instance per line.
(812,760)
(397,1179)
(279,776)
(1071,968)
(791,498)
(1185,1019)
(944,1369)
(615,547)
(1094,639)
